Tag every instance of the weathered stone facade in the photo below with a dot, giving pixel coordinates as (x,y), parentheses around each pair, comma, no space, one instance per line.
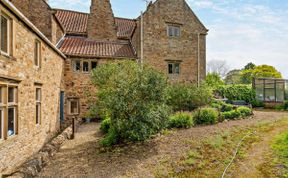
(18,69)
(159,48)
(101,22)
(41,15)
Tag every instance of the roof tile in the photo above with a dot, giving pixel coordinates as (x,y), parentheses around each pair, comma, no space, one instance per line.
(76,23)
(82,46)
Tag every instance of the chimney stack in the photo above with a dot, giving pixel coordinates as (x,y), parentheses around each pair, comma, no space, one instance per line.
(101,22)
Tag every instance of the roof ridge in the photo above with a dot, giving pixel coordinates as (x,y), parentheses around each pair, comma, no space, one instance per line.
(59,9)
(100,41)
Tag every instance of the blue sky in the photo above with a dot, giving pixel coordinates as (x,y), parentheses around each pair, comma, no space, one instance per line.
(240,31)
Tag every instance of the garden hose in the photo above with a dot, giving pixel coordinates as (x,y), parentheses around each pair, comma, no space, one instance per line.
(236,152)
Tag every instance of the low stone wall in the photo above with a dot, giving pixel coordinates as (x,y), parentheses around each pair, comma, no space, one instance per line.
(35,164)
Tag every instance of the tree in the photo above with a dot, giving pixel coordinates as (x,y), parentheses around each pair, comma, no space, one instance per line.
(233,77)
(218,66)
(250,65)
(213,80)
(262,71)
(133,97)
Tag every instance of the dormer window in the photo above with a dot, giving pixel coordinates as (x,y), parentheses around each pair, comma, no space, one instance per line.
(173,31)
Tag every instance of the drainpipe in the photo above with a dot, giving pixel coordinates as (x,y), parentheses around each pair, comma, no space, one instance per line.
(198,63)
(142,39)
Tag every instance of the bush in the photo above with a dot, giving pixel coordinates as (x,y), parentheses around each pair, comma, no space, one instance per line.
(286,105)
(187,97)
(134,98)
(257,104)
(181,120)
(206,116)
(105,125)
(237,92)
(244,111)
(234,114)
(110,139)
(222,106)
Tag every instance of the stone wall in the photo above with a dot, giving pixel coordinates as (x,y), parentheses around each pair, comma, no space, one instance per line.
(78,85)
(41,15)
(159,47)
(20,65)
(101,22)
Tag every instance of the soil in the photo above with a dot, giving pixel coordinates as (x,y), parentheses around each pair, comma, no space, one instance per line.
(84,157)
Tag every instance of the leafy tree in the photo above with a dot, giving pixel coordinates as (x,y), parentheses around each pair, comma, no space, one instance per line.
(262,71)
(213,80)
(233,77)
(134,99)
(250,65)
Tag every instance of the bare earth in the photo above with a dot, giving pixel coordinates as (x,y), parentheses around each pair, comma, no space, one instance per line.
(83,157)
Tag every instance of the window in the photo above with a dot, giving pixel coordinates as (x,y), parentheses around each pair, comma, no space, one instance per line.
(73,106)
(76,66)
(38,105)
(5,33)
(173,31)
(85,66)
(173,68)
(8,110)
(37,56)
(93,65)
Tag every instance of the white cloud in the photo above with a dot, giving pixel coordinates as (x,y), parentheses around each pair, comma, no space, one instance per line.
(243,32)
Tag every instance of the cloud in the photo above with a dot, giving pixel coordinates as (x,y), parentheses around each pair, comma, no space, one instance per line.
(245,32)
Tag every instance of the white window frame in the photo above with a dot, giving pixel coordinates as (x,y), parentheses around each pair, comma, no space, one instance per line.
(38,103)
(69,106)
(5,106)
(14,106)
(74,65)
(8,33)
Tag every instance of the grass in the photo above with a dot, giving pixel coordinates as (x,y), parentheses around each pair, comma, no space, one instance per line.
(280,146)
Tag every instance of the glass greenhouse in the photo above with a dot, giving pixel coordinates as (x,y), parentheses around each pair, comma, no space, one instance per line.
(271,90)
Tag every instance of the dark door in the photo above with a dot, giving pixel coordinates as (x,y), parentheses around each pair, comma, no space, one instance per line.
(62,95)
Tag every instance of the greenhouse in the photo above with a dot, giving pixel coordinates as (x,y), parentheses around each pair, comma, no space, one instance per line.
(271,90)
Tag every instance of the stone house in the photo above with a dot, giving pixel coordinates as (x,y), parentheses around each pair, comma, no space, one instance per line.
(30,82)
(47,55)
(168,36)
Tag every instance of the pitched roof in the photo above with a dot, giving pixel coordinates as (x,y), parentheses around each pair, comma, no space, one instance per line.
(76,23)
(84,47)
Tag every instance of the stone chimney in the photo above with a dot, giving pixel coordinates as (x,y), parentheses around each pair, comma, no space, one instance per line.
(101,22)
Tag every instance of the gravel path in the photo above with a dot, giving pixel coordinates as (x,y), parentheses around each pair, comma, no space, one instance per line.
(83,157)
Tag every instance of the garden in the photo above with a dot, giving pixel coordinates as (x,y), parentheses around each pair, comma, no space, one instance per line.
(137,102)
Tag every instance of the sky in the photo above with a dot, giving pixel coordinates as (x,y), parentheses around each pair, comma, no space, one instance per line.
(240,31)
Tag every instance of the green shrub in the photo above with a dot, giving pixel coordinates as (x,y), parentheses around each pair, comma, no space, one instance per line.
(237,92)
(244,111)
(110,139)
(181,120)
(231,115)
(206,116)
(280,107)
(222,106)
(187,97)
(257,104)
(105,125)
(286,105)
(134,98)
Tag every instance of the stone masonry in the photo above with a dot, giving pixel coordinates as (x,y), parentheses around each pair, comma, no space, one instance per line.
(101,22)
(41,15)
(159,48)
(18,68)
